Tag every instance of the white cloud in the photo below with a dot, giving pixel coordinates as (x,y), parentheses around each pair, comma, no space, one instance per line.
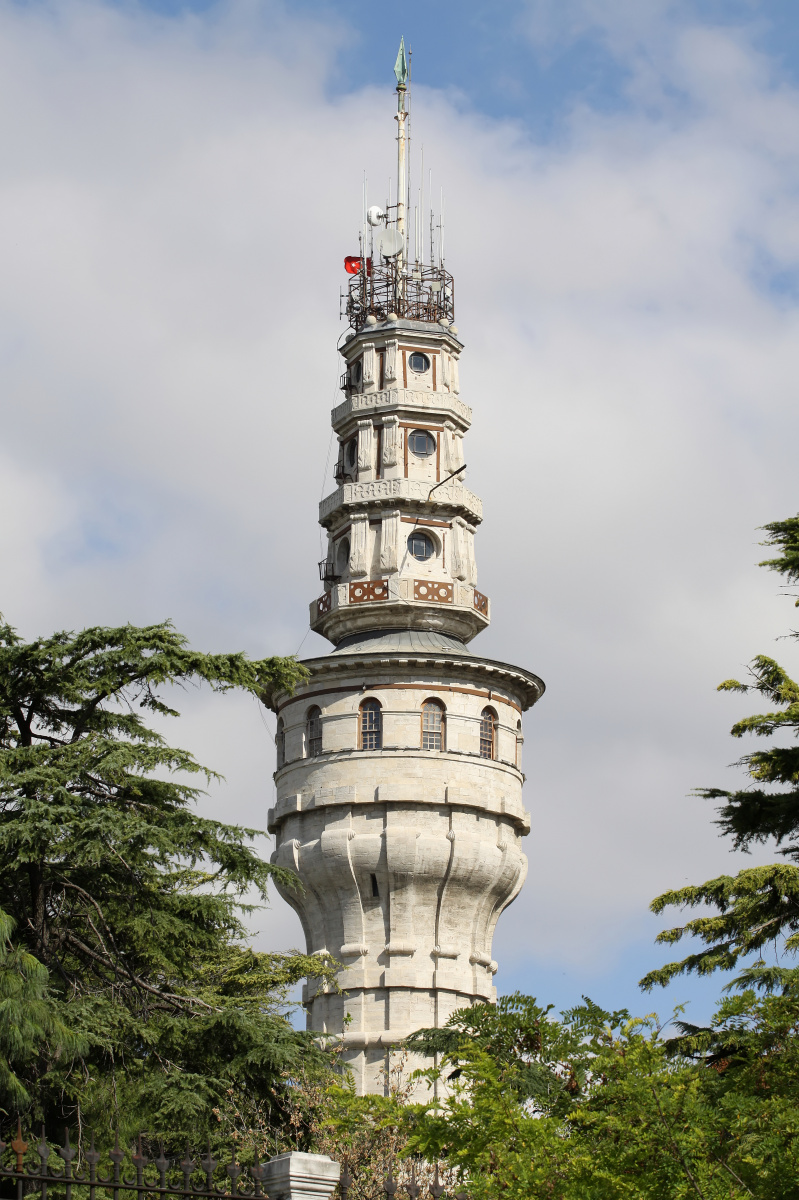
(176,197)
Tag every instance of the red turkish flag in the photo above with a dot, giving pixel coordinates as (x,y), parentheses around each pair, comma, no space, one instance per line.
(353,264)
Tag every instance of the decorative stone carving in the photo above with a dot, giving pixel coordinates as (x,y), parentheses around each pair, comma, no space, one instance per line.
(453,494)
(459,565)
(439,593)
(481,602)
(369,380)
(359,545)
(390,441)
(446,374)
(371,590)
(455,384)
(365,446)
(390,541)
(391,362)
(471,566)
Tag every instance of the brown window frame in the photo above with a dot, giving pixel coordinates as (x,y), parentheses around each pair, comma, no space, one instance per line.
(370,736)
(431,732)
(488,741)
(313,731)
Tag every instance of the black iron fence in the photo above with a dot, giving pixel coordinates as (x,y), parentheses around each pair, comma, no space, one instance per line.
(54,1177)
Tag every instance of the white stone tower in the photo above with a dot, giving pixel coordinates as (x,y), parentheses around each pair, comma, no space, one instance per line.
(399,775)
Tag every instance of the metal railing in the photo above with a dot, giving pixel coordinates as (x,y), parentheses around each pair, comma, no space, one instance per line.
(415,292)
(188,1178)
(168,1177)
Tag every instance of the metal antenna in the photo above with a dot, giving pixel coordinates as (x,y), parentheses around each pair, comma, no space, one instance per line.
(407,197)
(401,74)
(421,205)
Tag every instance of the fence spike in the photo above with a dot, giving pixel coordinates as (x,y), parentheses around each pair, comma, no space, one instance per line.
(67,1153)
(140,1159)
(18,1145)
(92,1155)
(43,1150)
(161,1163)
(437,1189)
(116,1155)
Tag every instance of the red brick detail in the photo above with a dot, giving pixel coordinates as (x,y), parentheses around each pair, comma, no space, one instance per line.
(323,604)
(424,589)
(481,602)
(370,589)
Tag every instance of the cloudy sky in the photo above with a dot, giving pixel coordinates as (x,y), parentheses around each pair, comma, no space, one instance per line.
(179,184)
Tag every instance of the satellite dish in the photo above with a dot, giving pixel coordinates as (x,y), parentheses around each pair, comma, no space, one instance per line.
(375,214)
(389,242)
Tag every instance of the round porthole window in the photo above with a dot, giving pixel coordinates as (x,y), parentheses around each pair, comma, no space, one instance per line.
(421,546)
(422,443)
(419,362)
(352,452)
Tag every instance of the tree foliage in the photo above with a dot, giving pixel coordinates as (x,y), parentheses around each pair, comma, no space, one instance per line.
(126,984)
(759,905)
(711,1114)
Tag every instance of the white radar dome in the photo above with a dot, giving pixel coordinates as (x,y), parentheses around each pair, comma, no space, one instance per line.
(375,215)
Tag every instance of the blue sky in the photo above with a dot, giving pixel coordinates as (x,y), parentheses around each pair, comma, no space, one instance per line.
(523,59)
(178,187)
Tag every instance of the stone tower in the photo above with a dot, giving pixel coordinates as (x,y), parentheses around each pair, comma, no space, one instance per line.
(399,773)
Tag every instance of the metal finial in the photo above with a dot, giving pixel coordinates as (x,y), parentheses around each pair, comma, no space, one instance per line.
(401,65)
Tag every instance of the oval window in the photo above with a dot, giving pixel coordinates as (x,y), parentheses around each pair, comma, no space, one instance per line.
(422,443)
(419,362)
(421,546)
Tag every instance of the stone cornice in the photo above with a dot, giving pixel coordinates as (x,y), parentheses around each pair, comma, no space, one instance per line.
(391,400)
(399,665)
(452,495)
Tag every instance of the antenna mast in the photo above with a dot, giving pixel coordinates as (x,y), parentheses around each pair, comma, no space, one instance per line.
(401,73)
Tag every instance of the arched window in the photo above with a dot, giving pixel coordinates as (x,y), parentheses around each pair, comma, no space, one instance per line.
(370,726)
(488,733)
(313,731)
(280,742)
(433,725)
(519,744)
(343,556)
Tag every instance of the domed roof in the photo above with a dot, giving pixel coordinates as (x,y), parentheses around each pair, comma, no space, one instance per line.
(410,640)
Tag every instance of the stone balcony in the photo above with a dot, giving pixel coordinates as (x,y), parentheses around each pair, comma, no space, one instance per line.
(394,492)
(400,602)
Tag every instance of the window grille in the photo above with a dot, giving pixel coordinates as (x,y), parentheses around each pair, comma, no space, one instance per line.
(488,733)
(314,732)
(432,725)
(371,725)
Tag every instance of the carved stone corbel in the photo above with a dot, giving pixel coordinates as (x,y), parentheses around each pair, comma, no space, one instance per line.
(359,545)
